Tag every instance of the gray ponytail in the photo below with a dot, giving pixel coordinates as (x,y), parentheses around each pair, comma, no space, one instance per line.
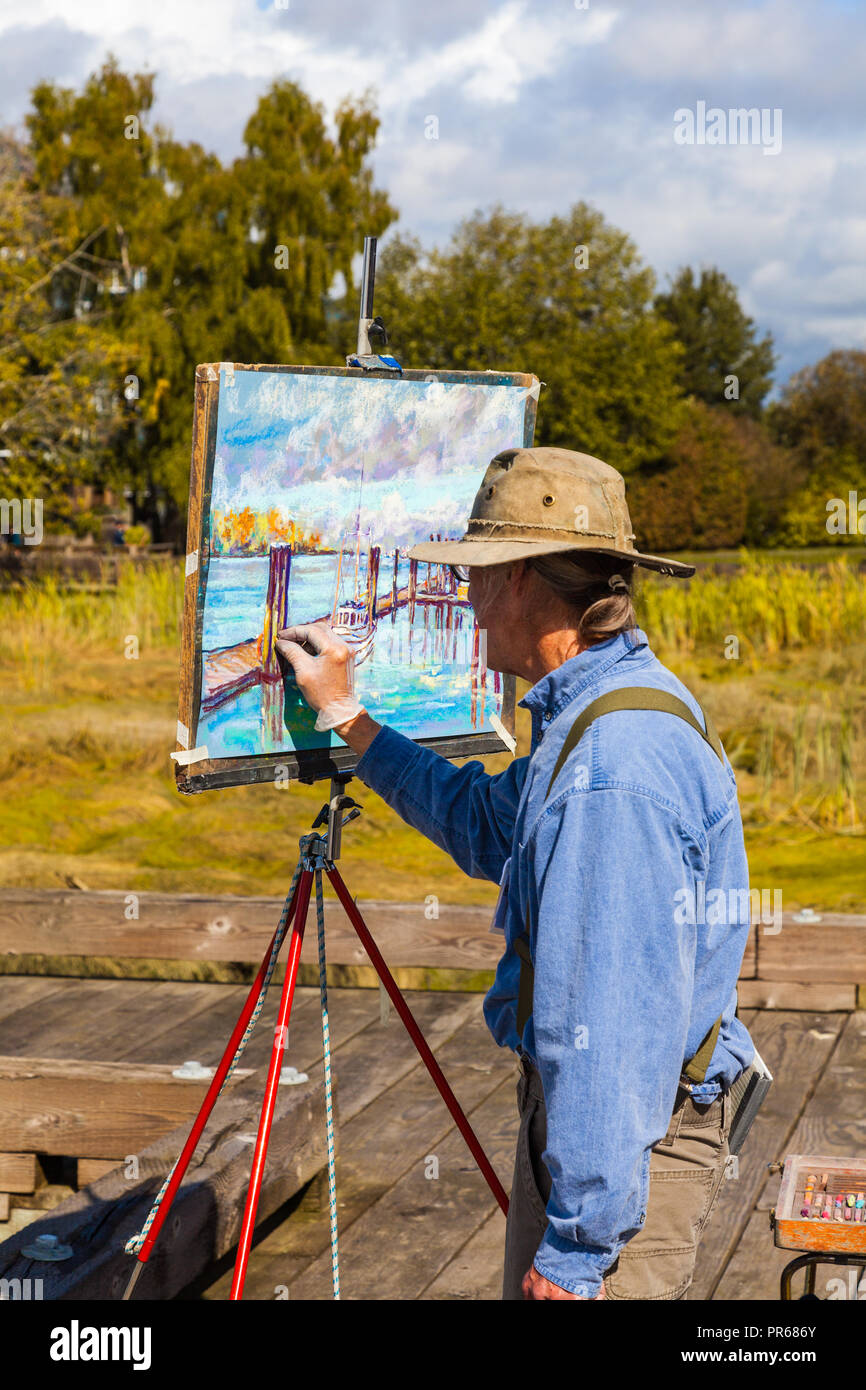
(581,580)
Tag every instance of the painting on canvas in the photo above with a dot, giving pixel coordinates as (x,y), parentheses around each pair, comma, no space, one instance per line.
(309,488)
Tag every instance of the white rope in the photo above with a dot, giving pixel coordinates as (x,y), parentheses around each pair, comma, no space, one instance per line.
(329,1105)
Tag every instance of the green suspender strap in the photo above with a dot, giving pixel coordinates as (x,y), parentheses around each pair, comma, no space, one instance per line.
(630,697)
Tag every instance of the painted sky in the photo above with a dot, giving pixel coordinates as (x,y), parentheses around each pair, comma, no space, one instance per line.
(409,454)
(539,103)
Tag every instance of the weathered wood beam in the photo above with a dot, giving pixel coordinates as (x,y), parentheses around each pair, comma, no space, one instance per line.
(92,1109)
(19,1172)
(830,951)
(206,1214)
(427,945)
(797,994)
(89,1169)
(192,928)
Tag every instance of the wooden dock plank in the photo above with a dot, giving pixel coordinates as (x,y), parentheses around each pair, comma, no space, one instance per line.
(77,1004)
(206,1215)
(797,994)
(23,992)
(135,1011)
(199,934)
(387,1051)
(475,1272)
(395,1131)
(749,963)
(796,1048)
(834,1120)
(193,928)
(128,1015)
(756,1265)
(168,1009)
(92,1109)
(832,950)
(390,1116)
(400,1244)
(89,1169)
(19,1172)
(204,1036)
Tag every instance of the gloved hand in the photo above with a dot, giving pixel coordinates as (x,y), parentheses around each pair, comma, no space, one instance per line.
(326,679)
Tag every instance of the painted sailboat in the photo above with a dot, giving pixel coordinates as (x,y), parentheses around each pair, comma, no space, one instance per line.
(354,619)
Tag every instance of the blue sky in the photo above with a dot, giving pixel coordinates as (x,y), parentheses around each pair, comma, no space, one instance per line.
(539,105)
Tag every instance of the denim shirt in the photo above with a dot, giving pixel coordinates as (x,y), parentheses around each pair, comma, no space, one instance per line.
(613,872)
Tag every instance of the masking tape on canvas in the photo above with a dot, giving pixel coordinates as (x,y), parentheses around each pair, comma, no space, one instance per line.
(182,735)
(191,562)
(228,369)
(191,755)
(508,739)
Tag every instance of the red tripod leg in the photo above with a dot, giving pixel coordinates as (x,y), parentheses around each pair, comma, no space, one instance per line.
(270,1098)
(207,1104)
(418,1038)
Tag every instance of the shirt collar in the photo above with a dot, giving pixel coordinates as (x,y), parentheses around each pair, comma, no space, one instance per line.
(549,696)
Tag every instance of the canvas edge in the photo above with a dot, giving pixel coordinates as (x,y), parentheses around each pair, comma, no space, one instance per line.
(205,408)
(222,773)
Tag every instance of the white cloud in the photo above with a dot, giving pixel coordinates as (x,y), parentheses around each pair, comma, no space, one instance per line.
(539,105)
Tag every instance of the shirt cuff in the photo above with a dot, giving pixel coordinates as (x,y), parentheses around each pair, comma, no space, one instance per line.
(705,1091)
(385,761)
(571,1265)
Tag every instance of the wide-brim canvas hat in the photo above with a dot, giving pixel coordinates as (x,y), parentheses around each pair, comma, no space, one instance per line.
(543,501)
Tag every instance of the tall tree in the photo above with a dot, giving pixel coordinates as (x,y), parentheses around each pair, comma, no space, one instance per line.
(719,342)
(215,264)
(55,422)
(822,408)
(308,199)
(568,300)
(821,418)
(696,497)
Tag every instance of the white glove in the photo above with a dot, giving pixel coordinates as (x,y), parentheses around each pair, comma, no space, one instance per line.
(326,680)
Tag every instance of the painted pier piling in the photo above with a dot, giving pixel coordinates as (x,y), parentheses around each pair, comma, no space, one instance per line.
(395,586)
(276,607)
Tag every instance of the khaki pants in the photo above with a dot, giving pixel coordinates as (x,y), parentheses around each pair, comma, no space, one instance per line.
(687,1168)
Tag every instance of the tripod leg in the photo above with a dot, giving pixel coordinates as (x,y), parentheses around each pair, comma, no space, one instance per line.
(206,1107)
(418,1038)
(270,1097)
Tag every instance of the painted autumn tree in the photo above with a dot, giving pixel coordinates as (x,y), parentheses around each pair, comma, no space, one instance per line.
(515,295)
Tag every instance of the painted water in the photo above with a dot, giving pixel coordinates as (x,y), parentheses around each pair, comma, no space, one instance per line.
(416,677)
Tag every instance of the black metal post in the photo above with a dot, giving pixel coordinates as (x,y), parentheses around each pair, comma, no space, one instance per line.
(368,281)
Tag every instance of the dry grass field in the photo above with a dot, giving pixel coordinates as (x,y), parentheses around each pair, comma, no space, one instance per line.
(775,648)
